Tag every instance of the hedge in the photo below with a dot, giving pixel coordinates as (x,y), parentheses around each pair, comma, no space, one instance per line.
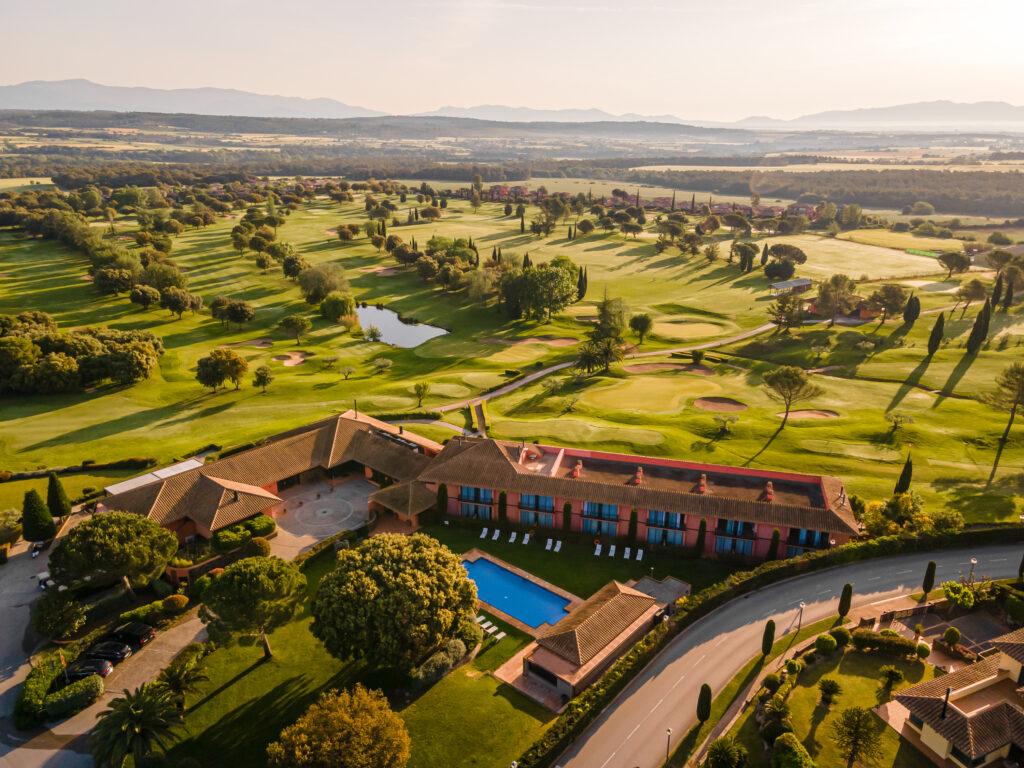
(584,709)
(893,645)
(788,752)
(323,544)
(30,708)
(238,535)
(73,698)
(87,465)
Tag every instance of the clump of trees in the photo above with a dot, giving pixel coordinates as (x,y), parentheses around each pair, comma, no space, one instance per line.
(904,512)
(219,366)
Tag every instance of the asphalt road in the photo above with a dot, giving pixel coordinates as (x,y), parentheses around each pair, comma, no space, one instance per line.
(632,732)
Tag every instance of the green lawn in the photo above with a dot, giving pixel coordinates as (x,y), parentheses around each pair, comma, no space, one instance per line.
(495,653)
(901,240)
(857,673)
(575,568)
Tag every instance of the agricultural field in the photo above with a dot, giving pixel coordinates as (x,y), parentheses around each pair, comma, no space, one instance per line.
(649,411)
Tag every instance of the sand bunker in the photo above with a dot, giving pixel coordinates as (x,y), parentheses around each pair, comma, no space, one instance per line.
(261,343)
(810,414)
(929,286)
(719,404)
(293,358)
(383,271)
(561,341)
(87,278)
(333,232)
(702,370)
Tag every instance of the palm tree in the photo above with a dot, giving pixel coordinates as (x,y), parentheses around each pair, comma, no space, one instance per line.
(609,351)
(134,724)
(182,679)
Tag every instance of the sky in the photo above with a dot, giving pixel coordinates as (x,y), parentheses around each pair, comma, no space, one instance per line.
(696,60)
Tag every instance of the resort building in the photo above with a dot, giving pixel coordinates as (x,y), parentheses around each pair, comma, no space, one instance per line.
(975,715)
(663,502)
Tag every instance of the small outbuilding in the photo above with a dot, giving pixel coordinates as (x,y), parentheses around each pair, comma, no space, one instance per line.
(797,285)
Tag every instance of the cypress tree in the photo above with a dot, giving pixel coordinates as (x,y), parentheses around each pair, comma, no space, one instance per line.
(903,484)
(702,533)
(997,289)
(768,638)
(693,205)
(987,317)
(502,507)
(935,339)
(1008,297)
(704,703)
(1020,570)
(36,521)
(56,499)
(442,500)
(773,546)
(912,310)
(673,200)
(522,224)
(631,533)
(979,331)
(383,228)
(764,254)
(929,578)
(845,599)
(567,517)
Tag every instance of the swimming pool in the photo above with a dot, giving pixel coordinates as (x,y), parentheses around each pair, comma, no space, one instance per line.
(512,594)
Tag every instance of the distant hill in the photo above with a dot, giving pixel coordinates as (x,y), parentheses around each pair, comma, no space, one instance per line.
(930,115)
(505,114)
(86,95)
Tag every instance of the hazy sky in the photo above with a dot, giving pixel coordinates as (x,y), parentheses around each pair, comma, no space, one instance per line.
(698,60)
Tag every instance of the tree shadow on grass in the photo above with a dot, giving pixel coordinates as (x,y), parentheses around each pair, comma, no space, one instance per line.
(817,718)
(764,447)
(520,702)
(954,378)
(966,495)
(227,684)
(912,381)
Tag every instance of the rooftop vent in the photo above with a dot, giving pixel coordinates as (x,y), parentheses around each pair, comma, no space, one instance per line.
(577,469)
(639,477)
(770,492)
(703,482)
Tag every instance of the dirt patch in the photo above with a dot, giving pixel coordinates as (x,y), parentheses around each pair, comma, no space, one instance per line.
(264,342)
(293,358)
(86,278)
(702,370)
(719,404)
(561,341)
(810,414)
(331,232)
(4,274)
(382,271)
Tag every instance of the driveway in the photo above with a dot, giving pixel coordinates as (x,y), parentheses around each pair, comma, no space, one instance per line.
(318,510)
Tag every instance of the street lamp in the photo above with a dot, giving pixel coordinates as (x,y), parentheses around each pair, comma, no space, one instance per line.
(668,744)
(800,619)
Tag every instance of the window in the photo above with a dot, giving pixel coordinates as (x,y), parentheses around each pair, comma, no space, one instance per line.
(600,527)
(483,495)
(542,503)
(735,528)
(529,517)
(915,720)
(604,511)
(733,546)
(477,511)
(666,537)
(806,538)
(543,674)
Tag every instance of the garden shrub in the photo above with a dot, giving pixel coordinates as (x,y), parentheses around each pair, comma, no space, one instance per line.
(771,682)
(150,613)
(470,633)
(197,587)
(179,562)
(951,637)
(73,698)
(161,588)
(889,633)
(825,644)
(229,539)
(841,636)
(794,666)
(771,729)
(261,525)
(923,651)
(788,752)
(175,604)
(29,709)
(441,662)
(892,645)
(1015,608)
(257,546)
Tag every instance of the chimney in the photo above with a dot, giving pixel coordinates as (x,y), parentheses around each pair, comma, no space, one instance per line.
(703,482)
(639,478)
(945,704)
(401,429)
(577,469)
(234,495)
(770,492)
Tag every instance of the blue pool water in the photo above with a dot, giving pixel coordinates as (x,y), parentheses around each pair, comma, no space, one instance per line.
(521,599)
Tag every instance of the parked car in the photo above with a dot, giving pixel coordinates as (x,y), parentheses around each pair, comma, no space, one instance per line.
(134,633)
(78,670)
(111,650)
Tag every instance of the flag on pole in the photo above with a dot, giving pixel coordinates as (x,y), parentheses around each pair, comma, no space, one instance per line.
(63,661)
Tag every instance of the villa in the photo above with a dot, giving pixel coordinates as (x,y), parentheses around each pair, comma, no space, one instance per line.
(975,715)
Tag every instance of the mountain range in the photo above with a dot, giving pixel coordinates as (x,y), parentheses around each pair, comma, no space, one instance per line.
(85,95)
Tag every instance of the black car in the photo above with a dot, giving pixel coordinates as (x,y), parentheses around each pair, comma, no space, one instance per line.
(82,668)
(133,633)
(111,650)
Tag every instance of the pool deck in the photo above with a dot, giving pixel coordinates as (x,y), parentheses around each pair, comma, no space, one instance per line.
(574,602)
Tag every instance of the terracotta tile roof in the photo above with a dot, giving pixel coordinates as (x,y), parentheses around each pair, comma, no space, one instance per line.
(1012,644)
(407,498)
(975,735)
(589,629)
(467,461)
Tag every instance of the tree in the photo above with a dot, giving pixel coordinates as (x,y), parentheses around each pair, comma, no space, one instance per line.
(959,595)
(830,689)
(1008,394)
(954,261)
(181,679)
(773,545)
(294,265)
(262,377)
(392,600)
(788,385)
(725,752)
(890,675)
(295,325)
(912,311)
(346,371)
(178,301)
(768,637)
(856,735)
(928,583)
(704,703)
(57,615)
(36,521)
(936,336)
(951,637)
(788,752)
(254,596)
(845,599)
(702,532)
(421,389)
(336,305)
(641,326)
(889,299)
(906,474)
(317,282)
(343,728)
(219,366)
(239,312)
(836,297)
(381,365)
(56,499)
(973,291)
(979,331)
(264,262)
(787,311)
(134,725)
(144,295)
(372,334)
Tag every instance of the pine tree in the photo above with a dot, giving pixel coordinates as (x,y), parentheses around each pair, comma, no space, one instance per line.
(935,339)
(56,499)
(36,521)
(903,484)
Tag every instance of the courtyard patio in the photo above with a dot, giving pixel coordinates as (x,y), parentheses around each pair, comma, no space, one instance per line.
(314,511)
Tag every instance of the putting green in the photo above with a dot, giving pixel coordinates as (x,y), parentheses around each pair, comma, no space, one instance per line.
(656,394)
(443,346)
(574,431)
(519,353)
(683,330)
(450,390)
(853,450)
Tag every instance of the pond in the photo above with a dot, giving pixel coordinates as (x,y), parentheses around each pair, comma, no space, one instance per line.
(393,330)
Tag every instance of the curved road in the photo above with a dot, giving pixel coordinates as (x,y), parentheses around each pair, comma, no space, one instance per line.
(632,730)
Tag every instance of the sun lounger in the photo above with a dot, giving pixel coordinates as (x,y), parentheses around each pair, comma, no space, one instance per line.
(498,636)
(611,551)
(485,625)
(639,555)
(512,538)
(480,619)
(548,545)
(497,533)
(483,533)
(558,546)
(526,539)
(491,630)
(625,555)
(597,550)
